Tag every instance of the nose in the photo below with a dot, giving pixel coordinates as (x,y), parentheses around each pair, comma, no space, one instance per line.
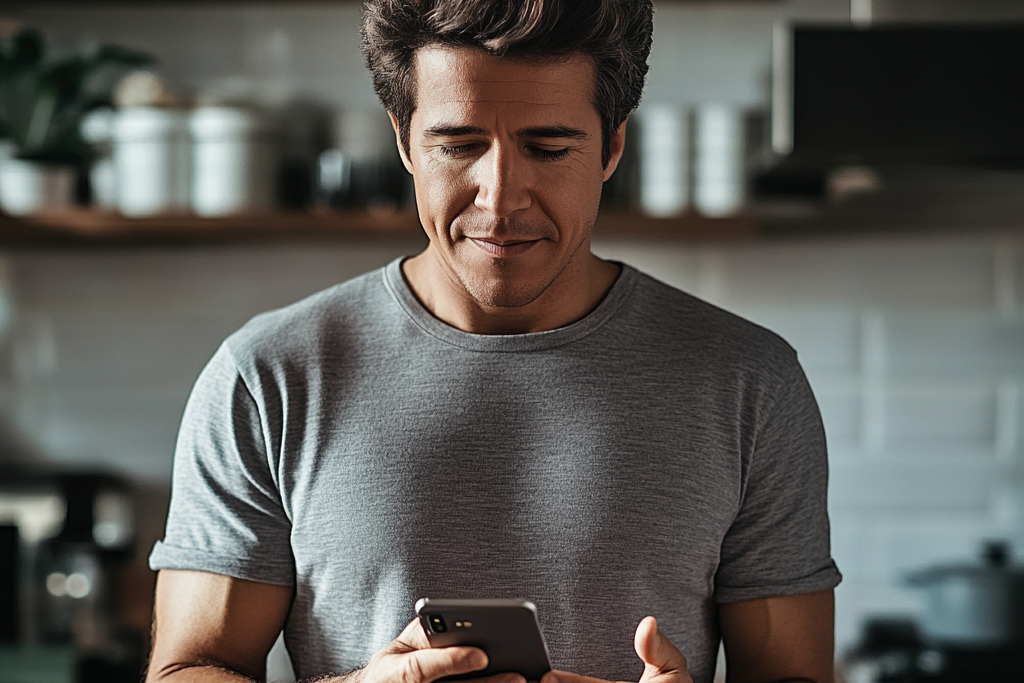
(503,181)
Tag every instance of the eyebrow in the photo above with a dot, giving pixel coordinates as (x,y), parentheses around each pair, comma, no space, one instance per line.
(443,130)
(553,132)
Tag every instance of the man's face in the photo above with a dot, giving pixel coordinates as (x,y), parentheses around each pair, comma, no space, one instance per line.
(506,156)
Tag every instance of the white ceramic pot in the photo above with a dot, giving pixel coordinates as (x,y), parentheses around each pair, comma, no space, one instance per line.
(234,161)
(719,161)
(29,186)
(664,160)
(151,161)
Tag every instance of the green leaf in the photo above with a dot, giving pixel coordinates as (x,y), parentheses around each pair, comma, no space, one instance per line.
(24,49)
(42,105)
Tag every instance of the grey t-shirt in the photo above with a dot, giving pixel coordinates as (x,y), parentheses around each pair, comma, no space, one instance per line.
(656,457)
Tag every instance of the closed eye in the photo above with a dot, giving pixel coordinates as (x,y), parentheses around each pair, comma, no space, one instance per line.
(551,154)
(460,151)
(457,151)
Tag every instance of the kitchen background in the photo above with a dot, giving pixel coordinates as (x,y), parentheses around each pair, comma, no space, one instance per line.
(908,316)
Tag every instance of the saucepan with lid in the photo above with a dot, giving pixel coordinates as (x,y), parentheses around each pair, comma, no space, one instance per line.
(974,606)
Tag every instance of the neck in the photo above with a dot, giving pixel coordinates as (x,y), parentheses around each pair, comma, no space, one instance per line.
(577,290)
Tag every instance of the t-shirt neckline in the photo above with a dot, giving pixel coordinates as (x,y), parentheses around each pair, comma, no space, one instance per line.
(399,289)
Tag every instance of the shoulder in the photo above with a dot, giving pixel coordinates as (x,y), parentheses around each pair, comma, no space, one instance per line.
(308,327)
(675,321)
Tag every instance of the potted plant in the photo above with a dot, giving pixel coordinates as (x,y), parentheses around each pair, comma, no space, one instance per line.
(42,104)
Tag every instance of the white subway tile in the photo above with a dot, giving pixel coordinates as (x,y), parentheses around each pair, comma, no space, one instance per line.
(892,551)
(949,344)
(841,406)
(324,59)
(132,431)
(827,339)
(131,351)
(673,264)
(884,273)
(249,280)
(922,484)
(191,43)
(846,545)
(940,418)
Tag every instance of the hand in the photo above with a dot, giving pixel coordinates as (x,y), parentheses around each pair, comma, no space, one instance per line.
(663,662)
(410,659)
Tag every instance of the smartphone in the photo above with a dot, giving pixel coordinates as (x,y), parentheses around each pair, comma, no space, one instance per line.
(507,630)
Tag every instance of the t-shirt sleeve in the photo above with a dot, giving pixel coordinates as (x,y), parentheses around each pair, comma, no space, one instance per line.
(226,514)
(778,543)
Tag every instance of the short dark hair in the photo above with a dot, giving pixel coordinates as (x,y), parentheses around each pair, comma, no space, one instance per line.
(615,34)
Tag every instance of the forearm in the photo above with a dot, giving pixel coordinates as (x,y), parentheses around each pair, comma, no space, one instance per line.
(218,674)
(196,673)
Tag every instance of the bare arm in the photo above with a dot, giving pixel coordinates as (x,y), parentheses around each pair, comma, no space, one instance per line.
(209,627)
(775,640)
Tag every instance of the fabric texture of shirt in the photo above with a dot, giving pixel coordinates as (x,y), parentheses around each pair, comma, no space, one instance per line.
(658,456)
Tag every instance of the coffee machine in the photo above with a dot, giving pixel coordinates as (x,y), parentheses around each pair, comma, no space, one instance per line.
(69,532)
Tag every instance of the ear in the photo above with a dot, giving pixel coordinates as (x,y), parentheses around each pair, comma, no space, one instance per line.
(616,146)
(398,141)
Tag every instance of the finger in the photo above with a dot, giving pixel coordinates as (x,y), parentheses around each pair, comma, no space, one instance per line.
(656,651)
(433,663)
(501,678)
(411,638)
(555,676)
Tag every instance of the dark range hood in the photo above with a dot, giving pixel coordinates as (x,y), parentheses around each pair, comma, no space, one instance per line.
(898,94)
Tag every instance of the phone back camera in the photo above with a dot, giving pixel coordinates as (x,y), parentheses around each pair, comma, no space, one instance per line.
(436,623)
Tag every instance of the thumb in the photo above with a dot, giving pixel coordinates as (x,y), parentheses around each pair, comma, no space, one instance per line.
(657,652)
(411,638)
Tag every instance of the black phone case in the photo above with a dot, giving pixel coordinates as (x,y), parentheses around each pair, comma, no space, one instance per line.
(507,630)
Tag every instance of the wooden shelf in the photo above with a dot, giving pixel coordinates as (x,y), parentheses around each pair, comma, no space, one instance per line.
(90,228)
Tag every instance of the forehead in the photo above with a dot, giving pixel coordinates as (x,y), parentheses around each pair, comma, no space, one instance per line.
(461,82)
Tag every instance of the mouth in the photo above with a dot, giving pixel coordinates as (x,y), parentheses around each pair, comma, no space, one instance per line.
(503,249)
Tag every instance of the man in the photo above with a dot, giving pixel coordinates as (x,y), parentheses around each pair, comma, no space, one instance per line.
(504,414)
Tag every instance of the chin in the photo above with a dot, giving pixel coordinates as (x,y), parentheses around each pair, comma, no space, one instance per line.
(497,292)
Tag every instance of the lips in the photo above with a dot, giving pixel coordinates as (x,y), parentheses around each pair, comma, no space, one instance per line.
(502,249)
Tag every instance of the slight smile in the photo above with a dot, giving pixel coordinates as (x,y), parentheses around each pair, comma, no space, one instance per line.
(502,249)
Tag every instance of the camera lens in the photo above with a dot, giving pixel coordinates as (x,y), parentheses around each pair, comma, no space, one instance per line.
(436,623)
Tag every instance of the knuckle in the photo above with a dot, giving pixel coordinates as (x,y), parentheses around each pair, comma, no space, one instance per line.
(412,671)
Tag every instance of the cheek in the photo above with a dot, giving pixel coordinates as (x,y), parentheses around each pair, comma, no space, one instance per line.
(441,191)
(570,190)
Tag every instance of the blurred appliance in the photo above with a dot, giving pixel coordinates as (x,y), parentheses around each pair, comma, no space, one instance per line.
(892,651)
(75,530)
(950,94)
(9,573)
(972,629)
(364,169)
(974,606)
